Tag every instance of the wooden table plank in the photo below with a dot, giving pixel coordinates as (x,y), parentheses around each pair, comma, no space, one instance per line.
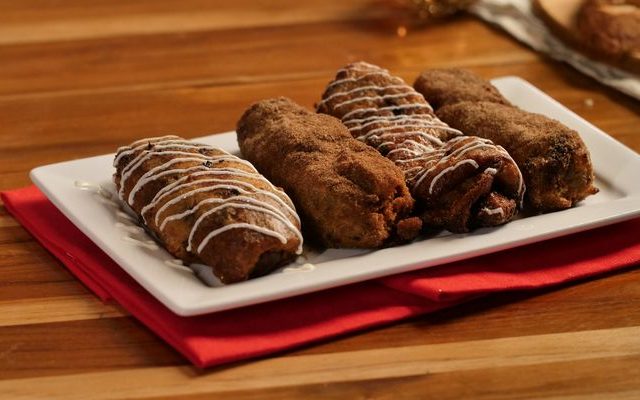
(500,316)
(82,125)
(520,382)
(525,351)
(227,56)
(75,347)
(79,79)
(27,311)
(45,21)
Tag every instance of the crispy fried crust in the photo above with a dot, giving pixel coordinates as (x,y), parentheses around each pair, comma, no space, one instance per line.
(460,183)
(347,194)
(207,206)
(452,85)
(553,158)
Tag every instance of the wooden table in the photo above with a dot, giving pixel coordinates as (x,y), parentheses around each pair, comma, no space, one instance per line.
(78,80)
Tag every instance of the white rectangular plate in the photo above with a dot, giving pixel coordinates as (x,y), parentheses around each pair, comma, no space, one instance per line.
(181,291)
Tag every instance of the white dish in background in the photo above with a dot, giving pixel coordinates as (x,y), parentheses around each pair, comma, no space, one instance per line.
(616,167)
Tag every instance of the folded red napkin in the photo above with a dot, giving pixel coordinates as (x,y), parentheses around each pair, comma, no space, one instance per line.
(247,332)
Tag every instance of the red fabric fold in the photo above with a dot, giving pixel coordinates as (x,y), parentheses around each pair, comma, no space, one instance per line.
(262,329)
(534,266)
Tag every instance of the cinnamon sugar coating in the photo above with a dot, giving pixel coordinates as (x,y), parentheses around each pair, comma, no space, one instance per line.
(347,194)
(553,158)
(452,85)
(459,183)
(207,206)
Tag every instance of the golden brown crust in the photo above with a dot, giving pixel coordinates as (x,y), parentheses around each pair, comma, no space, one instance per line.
(347,194)
(553,159)
(456,181)
(184,192)
(437,86)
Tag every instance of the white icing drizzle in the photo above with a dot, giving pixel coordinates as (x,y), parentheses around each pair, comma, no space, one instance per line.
(405,150)
(260,229)
(492,211)
(357,79)
(275,205)
(389,130)
(397,120)
(229,185)
(420,120)
(361,89)
(144,180)
(422,152)
(179,265)
(306,267)
(189,172)
(387,108)
(218,171)
(140,159)
(149,244)
(92,187)
(258,208)
(429,157)
(409,170)
(132,230)
(429,138)
(128,170)
(162,144)
(374,98)
(491,171)
(409,143)
(435,179)
(173,217)
(146,142)
(471,144)
(129,227)
(367,67)
(414,124)
(194,173)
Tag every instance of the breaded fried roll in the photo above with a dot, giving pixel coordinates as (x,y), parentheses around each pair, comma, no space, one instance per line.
(441,87)
(459,182)
(347,194)
(207,206)
(553,158)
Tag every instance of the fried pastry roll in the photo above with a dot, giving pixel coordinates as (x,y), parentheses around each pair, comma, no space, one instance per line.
(459,182)
(207,206)
(553,158)
(347,194)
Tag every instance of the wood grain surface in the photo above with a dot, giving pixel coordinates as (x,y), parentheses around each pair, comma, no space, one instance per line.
(80,78)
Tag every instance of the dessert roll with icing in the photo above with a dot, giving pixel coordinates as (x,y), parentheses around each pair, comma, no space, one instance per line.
(208,206)
(459,182)
(553,158)
(348,194)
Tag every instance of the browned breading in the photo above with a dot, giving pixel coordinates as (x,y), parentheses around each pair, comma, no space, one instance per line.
(553,158)
(459,183)
(207,206)
(452,85)
(347,194)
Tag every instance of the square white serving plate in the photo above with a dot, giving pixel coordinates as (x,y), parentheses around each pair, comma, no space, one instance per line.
(617,169)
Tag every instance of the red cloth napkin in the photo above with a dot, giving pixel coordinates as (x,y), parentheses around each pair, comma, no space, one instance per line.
(247,332)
